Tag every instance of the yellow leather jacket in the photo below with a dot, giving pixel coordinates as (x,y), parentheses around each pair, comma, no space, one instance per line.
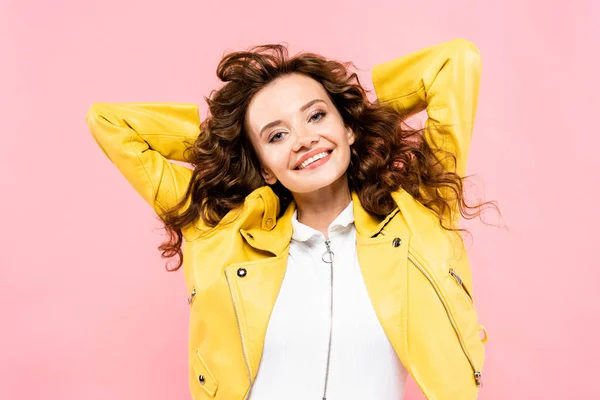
(417,275)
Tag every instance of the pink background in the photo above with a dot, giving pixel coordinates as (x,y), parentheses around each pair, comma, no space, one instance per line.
(87,309)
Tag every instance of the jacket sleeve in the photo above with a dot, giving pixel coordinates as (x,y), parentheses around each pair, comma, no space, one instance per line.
(444,80)
(140,138)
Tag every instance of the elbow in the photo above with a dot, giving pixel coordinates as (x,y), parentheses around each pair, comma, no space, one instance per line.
(92,116)
(464,45)
(98,119)
(93,112)
(101,113)
(467,50)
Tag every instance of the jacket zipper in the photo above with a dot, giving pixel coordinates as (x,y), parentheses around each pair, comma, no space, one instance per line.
(192,295)
(237,320)
(328,259)
(458,279)
(476,374)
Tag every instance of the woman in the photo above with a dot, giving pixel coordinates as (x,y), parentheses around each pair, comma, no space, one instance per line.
(322,251)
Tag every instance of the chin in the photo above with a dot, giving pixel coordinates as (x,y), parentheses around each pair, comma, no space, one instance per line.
(312,185)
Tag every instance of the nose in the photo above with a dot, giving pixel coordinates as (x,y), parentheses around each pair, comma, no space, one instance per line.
(304,139)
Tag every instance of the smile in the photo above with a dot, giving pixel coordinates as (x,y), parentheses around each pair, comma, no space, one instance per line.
(315,161)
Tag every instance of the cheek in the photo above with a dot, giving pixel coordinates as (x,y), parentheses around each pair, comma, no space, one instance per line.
(275,160)
(339,131)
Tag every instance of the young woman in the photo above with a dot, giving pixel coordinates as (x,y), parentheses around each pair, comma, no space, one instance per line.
(319,234)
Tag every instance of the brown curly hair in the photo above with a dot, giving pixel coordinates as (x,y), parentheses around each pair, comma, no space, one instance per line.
(386,155)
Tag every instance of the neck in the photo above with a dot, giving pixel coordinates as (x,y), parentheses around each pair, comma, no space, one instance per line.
(318,209)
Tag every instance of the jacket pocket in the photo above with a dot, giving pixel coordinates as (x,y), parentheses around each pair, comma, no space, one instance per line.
(204,379)
(462,317)
(462,307)
(460,283)
(483,336)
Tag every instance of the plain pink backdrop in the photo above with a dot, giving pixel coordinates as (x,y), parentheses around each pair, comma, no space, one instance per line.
(88,311)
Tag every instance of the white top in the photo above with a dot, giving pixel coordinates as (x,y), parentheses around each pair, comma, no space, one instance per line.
(363,363)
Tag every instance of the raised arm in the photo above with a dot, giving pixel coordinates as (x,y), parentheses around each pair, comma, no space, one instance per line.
(140,138)
(444,79)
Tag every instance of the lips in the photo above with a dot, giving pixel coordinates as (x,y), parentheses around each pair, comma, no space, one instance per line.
(309,155)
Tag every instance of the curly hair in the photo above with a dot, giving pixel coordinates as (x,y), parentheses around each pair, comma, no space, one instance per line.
(386,155)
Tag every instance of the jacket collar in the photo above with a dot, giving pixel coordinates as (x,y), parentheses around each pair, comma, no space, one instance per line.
(272,234)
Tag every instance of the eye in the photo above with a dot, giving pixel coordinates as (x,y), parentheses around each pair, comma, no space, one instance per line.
(276,137)
(317,116)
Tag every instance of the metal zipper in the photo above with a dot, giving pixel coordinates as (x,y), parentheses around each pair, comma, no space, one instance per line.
(457,278)
(191,298)
(237,320)
(476,374)
(328,258)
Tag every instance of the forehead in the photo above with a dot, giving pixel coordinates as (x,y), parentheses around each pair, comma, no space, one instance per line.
(282,98)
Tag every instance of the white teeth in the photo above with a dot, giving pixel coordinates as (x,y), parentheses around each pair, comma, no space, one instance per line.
(311,160)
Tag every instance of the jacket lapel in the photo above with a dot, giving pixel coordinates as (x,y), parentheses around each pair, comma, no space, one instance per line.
(383,263)
(254,287)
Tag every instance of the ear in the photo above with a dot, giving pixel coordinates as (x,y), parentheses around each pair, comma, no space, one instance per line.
(350,135)
(269,177)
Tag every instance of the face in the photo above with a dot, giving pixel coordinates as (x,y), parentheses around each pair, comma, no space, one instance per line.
(298,134)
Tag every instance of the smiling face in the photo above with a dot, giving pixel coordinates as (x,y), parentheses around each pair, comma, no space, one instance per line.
(298,134)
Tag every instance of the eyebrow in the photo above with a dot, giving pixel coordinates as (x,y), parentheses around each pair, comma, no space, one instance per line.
(278,122)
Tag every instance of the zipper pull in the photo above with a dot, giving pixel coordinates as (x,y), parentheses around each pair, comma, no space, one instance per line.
(458,280)
(192,295)
(328,256)
(455,276)
(478,378)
